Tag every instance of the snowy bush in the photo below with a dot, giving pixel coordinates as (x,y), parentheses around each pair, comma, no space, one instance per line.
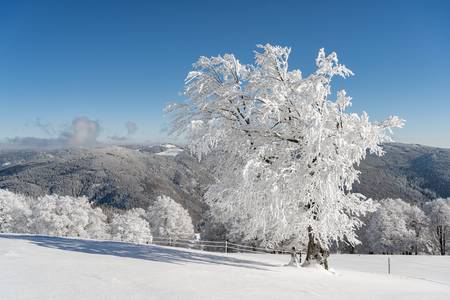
(131,227)
(14,212)
(67,216)
(168,219)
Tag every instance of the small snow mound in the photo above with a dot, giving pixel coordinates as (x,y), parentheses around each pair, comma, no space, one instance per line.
(170,146)
(333,271)
(317,267)
(292,265)
(6,164)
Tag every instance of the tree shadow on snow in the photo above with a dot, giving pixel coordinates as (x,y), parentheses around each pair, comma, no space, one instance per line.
(145,252)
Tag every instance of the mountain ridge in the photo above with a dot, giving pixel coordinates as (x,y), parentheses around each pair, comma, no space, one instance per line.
(133,176)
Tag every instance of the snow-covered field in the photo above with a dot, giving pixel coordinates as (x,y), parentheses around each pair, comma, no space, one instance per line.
(33,267)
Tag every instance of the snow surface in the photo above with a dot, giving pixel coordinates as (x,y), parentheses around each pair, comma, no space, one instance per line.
(171,150)
(39,267)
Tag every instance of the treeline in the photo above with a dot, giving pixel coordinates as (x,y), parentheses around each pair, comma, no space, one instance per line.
(67,216)
(396,227)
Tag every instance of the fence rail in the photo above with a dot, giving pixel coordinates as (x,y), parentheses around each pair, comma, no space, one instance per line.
(215,246)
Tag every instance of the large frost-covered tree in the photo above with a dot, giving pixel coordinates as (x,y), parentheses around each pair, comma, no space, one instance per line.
(292,147)
(168,219)
(439,213)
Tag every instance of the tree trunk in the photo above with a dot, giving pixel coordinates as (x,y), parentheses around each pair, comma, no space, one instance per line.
(441,233)
(416,247)
(315,252)
(444,241)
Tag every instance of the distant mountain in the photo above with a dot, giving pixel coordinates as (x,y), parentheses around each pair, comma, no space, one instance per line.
(133,176)
(414,173)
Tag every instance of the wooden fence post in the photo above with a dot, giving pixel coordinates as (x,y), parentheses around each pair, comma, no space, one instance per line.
(389,265)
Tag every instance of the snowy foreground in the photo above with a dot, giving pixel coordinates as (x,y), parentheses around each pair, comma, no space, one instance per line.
(33,267)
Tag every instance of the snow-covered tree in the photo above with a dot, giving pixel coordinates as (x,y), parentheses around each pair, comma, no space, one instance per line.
(67,216)
(439,213)
(131,227)
(14,212)
(168,219)
(397,227)
(97,228)
(292,149)
(419,222)
(212,230)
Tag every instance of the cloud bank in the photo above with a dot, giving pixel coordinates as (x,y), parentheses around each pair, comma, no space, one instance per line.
(83,132)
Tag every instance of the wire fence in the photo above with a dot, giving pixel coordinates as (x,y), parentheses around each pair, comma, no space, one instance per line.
(216,246)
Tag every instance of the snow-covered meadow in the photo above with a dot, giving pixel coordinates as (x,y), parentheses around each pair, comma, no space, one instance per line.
(39,267)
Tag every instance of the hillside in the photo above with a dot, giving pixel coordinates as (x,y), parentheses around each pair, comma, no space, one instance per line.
(121,177)
(414,173)
(35,267)
(134,176)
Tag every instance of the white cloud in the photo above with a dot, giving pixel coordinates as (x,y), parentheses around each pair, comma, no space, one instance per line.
(131,128)
(83,132)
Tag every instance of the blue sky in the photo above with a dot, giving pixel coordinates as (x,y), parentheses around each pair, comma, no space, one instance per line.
(120,61)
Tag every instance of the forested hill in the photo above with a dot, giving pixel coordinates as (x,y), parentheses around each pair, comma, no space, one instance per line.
(122,177)
(414,173)
(134,176)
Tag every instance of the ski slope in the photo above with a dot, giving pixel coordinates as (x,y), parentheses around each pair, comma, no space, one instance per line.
(38,267)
